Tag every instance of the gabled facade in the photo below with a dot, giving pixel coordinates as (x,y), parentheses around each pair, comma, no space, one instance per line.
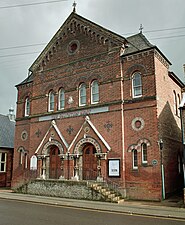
(7,127)
(95,107)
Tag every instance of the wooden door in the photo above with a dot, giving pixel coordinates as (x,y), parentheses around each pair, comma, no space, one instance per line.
(54,167)
(89,163)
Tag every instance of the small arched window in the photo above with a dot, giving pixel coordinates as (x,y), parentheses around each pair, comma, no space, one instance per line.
(94,92)
(144,153)
(175,103)
(82,94)
(61,99)
(51,102)
(27,107)
(134,159)
(136,85)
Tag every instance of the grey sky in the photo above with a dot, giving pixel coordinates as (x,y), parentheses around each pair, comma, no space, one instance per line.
(37,24)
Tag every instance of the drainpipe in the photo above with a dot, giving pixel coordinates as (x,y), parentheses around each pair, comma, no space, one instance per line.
(122,118)
(182,131)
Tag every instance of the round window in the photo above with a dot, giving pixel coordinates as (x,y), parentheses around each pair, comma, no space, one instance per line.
(138,124)
(73,47)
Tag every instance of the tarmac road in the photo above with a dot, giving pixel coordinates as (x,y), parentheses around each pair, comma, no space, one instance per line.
(13,212)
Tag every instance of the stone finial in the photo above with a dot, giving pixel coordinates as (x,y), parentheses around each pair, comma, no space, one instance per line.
(74,6)
(141,28)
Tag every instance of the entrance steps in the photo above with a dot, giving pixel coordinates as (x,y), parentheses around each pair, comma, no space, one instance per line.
(109,194)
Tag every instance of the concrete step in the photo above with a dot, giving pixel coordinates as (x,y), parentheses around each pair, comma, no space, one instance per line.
(109,195)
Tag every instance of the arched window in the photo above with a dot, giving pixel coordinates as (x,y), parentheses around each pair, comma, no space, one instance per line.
(144,153)
(136,85)
(51,102)
(61,99)
(27,107)
(135,159)
(175,102)
(94,92)
(82,94)
(179,102)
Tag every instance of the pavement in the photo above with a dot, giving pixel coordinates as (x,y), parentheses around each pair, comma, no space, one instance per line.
(171,208)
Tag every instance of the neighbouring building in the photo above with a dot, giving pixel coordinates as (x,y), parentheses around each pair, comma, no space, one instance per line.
(99,106)
(182,112)
(7,127)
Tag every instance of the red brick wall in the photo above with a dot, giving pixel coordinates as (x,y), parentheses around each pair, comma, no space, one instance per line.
(98,60)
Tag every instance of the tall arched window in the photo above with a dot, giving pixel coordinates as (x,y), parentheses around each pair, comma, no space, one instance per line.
(179,102)
(134,159)
(27,107)
(94,92)
(144,153)
(51,102)
(175,102)
(82,94)
(61,99)
(136,85)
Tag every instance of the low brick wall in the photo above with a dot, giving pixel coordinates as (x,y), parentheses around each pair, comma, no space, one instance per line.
(63,189)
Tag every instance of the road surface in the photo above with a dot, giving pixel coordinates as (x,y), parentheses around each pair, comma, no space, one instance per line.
(13,212)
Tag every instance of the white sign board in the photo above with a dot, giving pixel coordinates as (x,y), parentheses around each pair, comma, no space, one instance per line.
(33,163)
(114,167)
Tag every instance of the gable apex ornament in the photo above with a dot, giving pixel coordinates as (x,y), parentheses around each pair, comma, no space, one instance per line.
(74,6)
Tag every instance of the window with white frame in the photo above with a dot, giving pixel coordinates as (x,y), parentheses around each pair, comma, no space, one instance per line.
(136,85)
(175,102)
(61,99)
(3,161)
(51,102)
(94,92)
(144,153)
(135,159)
(82,94)
(27,107)
(179,102)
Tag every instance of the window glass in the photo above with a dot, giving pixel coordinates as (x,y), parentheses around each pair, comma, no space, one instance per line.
(61,99)
(135,159)
(94,92)
(51,101)
(137,85)
(175,102)
(144,153)
(2,162)
(27,107)
(82,94)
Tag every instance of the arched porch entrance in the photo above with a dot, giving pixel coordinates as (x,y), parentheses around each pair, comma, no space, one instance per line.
(89,171)
(49,161)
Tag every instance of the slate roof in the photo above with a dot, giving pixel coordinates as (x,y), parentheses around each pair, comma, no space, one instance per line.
(29,79)
(7,129)
(137,42)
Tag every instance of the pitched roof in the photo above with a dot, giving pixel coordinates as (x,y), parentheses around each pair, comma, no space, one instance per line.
(7,129)
(28,79)
(137,42)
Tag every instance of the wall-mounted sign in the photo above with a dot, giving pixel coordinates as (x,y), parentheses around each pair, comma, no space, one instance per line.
(75,113)
(114,167)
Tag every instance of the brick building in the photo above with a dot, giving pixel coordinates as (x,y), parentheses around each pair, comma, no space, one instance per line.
(7,127)
(95,107)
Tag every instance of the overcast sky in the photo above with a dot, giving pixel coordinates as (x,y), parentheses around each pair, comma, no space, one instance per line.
(163,22)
